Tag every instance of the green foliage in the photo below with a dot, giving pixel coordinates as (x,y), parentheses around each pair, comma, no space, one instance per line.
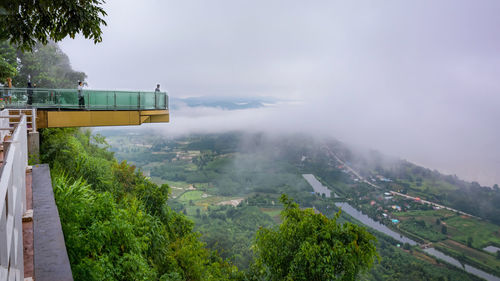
(8,61)
(309,246)
(423,230)
(230,231)
(469,197)
(236,175)
(48,66)
(26,22)
(469,241)
(444,229)
(395,264)
(103,240)
(117,224)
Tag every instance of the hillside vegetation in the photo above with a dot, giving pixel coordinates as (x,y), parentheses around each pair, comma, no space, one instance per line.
(116,223)
(258,168)
(118,226)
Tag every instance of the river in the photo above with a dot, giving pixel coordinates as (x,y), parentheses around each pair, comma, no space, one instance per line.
(355,213)
(456,263)
(317,186)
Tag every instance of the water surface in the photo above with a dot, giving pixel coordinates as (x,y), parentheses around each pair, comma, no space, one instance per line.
(366,220)
(491,249)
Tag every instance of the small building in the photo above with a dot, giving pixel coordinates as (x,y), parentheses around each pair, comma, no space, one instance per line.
(396,207)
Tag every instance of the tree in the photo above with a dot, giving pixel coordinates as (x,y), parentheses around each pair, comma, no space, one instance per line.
(498,255)
(444,229)
(8,61)
(48,66)
(309,246)
(469,241)
(26,22)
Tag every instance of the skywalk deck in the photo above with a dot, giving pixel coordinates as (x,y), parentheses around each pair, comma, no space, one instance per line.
(63,107)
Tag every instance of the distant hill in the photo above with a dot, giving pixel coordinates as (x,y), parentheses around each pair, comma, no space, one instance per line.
(227,103)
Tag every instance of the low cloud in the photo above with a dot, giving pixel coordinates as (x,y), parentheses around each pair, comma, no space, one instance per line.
(413,79)
(445,148)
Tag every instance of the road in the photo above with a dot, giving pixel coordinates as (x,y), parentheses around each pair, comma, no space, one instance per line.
(361,179)
(432,204)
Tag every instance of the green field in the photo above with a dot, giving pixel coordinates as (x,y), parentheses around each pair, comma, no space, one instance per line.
(461,229)
(482,233)
(193,195)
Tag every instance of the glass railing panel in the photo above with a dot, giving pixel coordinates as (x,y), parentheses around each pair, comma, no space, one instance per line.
(94,99)
(100,99)
(160,100)
(127,100)
(63,98)
(17,97)
(41,97)
(148,100)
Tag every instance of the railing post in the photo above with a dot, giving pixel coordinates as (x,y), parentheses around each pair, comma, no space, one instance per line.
(33,119)
(58,98)
(139,100)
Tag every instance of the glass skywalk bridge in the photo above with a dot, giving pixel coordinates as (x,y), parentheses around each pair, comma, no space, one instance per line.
(63,108)
(93,99)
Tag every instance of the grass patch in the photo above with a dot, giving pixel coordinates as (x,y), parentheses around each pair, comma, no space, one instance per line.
(483,233)
(193,195)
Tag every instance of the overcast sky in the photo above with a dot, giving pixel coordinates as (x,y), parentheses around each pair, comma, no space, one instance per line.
(417,80)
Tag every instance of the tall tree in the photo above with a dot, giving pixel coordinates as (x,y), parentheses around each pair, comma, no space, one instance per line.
(309,246)
(48,66)
(26,22)
(8,61)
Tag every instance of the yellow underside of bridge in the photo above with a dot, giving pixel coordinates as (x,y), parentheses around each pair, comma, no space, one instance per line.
(57,119)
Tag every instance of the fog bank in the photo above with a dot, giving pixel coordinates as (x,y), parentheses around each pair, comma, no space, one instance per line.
(418,80)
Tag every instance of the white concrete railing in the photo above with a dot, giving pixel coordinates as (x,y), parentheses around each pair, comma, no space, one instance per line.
(13,204)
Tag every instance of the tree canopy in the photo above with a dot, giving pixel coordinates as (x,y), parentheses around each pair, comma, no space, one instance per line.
(26,22)
(48,66)
(309,246)
(8,61)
